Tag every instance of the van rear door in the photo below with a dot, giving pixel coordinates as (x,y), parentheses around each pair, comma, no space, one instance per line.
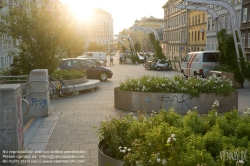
(209,61)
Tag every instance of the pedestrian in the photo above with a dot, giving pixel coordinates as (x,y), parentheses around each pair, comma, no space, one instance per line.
(111,59)
(100,57)
(120,55)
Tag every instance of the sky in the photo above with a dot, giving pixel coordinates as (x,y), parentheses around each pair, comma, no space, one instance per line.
(124,13)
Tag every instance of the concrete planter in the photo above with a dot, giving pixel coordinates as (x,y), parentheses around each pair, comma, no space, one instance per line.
(73,81)
(143,101)
(104,160)
(246,84)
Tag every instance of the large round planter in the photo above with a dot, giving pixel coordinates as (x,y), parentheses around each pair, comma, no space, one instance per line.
(73,81)
(104,160)
(146,102)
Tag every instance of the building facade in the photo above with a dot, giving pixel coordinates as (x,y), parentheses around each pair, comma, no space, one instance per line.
(224,22)
(99,29)
(197,22)
(245,27)
(175,31)
(143,36)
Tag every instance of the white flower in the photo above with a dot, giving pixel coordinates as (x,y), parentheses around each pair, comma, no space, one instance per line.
(149,144)
(174,139)
(163,85)
(168,140)
(158,160)
(164,161)
(125,147)
(135,139)
(137,162)
(241,161)
(172,135)
(123,151)
(129,150)
(120,147)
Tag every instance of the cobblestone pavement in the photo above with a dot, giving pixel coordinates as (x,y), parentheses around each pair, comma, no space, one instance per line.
(79,114)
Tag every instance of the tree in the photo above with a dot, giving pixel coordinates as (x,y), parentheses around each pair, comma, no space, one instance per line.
(228,58)
(137,47)
(45,35)
(93,46)
(123,48)
(157,47)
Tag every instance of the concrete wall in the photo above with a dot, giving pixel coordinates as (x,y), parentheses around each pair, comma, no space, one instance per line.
(38,99)
(146,101)
(11,119)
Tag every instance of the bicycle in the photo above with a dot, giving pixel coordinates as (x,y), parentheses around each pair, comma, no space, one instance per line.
(64,88)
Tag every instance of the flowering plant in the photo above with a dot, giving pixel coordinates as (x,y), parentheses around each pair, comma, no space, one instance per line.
(170,139)
(178,84)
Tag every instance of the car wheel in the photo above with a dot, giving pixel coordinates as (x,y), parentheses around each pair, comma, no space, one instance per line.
(182,71)
(103,77)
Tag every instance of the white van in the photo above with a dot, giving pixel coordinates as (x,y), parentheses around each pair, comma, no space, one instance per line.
(98,55)
(198,63)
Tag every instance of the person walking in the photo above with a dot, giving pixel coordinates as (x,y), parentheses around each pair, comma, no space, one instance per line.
(100,57)
(120,57)
(111,59)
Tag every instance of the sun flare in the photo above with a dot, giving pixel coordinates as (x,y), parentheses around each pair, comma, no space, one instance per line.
(83,10)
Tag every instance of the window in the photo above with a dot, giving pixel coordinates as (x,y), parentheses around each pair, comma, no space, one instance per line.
(199,21)
(195,35)
(244,17)
(249,40)
(203,18)
(192,36)
(226,22)
(208,25)
(195,20)
(198,35)
(189,23)
(210,57)
(243,39)
(192,20)
(203,35)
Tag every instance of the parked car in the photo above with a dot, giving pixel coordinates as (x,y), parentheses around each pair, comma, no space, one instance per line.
(94,60)
(198,63)
(93,71)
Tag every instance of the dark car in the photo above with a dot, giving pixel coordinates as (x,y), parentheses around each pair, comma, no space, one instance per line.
(93,71)
(94,60)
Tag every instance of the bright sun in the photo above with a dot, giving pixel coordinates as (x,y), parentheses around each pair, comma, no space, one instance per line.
(81,9)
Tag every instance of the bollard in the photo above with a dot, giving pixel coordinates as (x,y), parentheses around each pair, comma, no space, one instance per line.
(38,94)
(11,120)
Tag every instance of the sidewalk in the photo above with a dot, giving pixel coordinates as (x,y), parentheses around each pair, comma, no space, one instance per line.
(73,131)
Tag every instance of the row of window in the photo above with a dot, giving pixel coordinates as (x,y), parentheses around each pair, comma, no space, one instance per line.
(174,36)
(95,28)
(174,21)
(196,19)
(245,15)
(99,42)
(196,36)
(244,40)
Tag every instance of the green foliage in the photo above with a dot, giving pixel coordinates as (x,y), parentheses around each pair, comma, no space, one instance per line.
(93,46)
(228,58)
(157,47)
(67,74)
(169,138)
(178,84)
(44,36)
(137,47)
(123,48)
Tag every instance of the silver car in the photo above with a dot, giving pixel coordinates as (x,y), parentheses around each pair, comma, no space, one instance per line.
(94,60)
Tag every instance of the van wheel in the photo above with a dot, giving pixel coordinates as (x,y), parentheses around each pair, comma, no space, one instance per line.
(103,77)
(196,74)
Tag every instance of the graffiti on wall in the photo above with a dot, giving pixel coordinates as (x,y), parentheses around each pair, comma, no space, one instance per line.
(171,101)
(38,102)
(19,123)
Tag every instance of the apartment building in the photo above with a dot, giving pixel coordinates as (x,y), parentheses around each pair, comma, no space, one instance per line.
(197,22)
(175,30)
(143,36)
(224,22)
(245,27)
(99,29)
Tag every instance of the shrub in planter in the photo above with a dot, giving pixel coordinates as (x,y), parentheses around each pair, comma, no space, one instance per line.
(67,74)
(170,139)
(178,84)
